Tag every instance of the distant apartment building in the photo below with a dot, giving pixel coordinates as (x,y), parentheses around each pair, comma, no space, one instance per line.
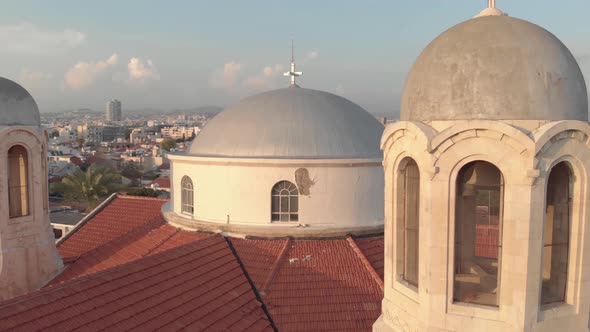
(153,123)
(99,134)
(113,133)
(113,110)
(140,135)
(67,134)
(90,133)
(179,132)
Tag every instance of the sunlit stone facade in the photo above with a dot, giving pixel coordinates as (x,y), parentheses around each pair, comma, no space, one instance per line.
(502,153)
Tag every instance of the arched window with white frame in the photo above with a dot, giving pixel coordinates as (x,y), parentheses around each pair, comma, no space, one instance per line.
(556,234)
(284,202)
(478,234)
(18,181)
(187,196)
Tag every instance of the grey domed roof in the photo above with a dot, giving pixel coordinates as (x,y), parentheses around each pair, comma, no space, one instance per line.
(17,107)
(291,123)
(496,68)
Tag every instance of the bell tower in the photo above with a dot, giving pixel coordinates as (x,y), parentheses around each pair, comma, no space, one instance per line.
(28,256)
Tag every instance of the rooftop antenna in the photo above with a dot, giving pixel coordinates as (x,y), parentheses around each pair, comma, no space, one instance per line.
(292,72)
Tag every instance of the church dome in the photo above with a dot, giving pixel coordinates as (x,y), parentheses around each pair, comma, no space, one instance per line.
(17,107)
(495,67)
(291,123)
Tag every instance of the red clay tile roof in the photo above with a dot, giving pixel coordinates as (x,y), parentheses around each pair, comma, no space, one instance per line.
(94,159)
(315,284)
(373,249)
(124,216)
(161,182)
(196,287)
(127,264)
(76,161)
(127,229)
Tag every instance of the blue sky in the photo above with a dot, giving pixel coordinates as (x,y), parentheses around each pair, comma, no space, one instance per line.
(180,54)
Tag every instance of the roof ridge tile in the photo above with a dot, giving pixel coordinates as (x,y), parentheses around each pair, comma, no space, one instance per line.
(365,261)
(275,267)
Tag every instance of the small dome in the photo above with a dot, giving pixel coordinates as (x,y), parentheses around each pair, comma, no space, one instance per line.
(291,123)
(17,107)
(495,67)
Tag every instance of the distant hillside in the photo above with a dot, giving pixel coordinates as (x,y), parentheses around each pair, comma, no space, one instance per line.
(194,110)
(199,110)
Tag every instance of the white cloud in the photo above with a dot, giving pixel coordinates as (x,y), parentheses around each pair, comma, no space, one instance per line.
(33,80)
(84,74)
(228,77)
(29,39)
(140,72)
(266,79)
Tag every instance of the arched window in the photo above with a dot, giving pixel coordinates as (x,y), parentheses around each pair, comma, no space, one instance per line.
(284,202)
(18,185)
(556,234)
(408,197)
(187,198)
(478,234)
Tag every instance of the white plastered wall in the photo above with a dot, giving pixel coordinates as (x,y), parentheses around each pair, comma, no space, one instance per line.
(346,193)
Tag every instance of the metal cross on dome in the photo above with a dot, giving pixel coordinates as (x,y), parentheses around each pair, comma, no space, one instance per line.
(292,72)
(491,3)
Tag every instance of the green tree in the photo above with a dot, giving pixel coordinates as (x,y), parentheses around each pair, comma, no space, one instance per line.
(149,192)
(168,144)
(131,171)
(80,142)
(89,186)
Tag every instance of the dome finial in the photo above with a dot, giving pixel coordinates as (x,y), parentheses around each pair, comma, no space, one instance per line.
(491,10)
(292,72)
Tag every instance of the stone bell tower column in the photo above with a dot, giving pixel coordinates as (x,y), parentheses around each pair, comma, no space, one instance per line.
(28,256)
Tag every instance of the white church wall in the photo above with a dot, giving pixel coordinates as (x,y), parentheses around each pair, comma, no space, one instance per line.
(342,193)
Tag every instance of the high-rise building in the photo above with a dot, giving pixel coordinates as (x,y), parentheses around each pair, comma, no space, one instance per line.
(113,110)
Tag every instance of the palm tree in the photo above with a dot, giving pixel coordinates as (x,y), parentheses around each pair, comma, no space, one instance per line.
(89,186)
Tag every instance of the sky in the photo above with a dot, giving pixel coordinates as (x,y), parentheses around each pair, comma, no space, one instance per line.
(183,54)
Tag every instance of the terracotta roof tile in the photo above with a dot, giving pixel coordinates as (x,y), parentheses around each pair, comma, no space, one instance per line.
(127,264)
(199,286)
(128,228)
(318,284)
(161,183)
(260,257)
(120,217)
(373,248)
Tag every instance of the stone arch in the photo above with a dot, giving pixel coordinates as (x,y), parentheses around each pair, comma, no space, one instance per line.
(577,156)
(550,133)
(481,128)
(19,181)
(32,141)
(418,133)
(477,223)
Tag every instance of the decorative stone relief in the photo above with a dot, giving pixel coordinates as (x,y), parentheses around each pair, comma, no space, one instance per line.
(304,182)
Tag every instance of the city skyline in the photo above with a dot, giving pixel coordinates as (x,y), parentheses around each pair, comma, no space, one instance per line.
(196,53)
